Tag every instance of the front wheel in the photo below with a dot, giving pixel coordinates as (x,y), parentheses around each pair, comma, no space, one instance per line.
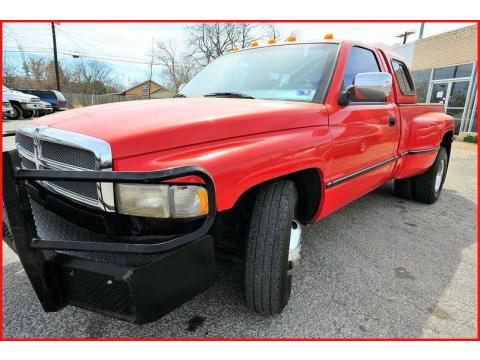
(16,112)
(28,114)
(273,247)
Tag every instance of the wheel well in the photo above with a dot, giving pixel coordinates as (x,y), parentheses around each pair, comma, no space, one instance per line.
(14,102)
(447,142)
(231,226)
(308,184)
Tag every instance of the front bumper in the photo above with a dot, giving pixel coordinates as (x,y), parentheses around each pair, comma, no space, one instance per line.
(7,109)
(31,106)
(124,277)
(47,110)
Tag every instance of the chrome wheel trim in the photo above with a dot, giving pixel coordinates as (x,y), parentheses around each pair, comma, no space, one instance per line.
(294,246)
(439,175)
(13,113)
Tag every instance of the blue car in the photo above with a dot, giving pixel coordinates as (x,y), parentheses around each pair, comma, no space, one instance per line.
(53,97)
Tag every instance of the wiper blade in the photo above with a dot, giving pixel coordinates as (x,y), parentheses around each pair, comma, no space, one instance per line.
(179,95)
(229,94)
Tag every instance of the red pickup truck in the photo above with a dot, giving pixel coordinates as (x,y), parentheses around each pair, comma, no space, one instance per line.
(122,208)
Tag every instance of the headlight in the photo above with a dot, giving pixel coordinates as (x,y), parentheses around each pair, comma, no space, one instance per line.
(161,201)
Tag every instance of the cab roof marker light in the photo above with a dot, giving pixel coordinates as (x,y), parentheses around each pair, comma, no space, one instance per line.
(254,43)
(272,41)
(292,38)
(328,36)
(235,49)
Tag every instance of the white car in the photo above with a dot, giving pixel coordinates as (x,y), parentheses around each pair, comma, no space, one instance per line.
(45,110)
(6,108)
(23,105)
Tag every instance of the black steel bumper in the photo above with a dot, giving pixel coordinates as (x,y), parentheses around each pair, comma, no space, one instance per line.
(135,279)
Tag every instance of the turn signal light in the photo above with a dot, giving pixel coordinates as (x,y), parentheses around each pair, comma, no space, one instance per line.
(254,43)
(292,38)
(328,36)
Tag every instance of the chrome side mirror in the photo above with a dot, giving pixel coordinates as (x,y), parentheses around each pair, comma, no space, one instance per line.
(374,86)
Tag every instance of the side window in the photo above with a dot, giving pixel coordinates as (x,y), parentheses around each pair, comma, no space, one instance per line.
(360,60)
(403,78)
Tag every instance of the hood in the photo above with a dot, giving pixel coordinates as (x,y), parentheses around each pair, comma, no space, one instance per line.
(17,95)
(138,127)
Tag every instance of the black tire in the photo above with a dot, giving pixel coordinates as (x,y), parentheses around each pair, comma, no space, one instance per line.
(267,282)
(28,114)
(403,188)
(17,112)
(425,191)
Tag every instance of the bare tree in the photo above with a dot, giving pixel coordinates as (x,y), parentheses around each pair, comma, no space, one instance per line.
(9,69)
(208,41)
(39,73)
(9,72)
(272,31)
(89,76)
(178,68)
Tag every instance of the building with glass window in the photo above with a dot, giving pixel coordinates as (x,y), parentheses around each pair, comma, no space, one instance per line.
(445,71)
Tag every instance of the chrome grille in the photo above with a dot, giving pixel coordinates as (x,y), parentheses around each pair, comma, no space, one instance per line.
(86,189)
(28,164)
(25,142)
(67,155)
(62,150)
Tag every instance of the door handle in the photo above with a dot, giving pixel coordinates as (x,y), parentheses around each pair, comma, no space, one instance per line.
(391,122)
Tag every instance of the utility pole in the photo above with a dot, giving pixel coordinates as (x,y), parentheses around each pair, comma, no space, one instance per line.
(55,58)
(405,35)
(151,73)
(422,27)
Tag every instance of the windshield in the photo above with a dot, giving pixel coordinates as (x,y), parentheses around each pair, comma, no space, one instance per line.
(289,72)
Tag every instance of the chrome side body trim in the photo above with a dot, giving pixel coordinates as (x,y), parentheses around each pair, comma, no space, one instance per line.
(423,151)
(382,163)
(360,172)
(100,148)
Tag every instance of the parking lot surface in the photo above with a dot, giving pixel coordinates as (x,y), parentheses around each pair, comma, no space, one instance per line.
(381,267)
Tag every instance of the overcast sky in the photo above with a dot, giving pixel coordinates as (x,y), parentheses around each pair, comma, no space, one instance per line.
(129,44)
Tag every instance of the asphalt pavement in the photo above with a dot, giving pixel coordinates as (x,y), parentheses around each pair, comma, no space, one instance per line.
(380,267)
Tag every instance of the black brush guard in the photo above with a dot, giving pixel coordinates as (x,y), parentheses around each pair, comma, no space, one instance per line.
(177,269)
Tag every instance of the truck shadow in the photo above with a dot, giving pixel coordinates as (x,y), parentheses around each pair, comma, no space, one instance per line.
(377,268)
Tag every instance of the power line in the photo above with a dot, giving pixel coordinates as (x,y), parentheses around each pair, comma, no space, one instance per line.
(80,54)
(97,57)
(74,52)
(98,37)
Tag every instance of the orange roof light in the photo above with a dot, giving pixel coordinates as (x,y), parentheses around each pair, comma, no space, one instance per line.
(328,36)
(254,43)
(292,38)
(235,49)
(272,41)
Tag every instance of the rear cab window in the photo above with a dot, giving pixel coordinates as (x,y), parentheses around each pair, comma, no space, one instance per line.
(403,77)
